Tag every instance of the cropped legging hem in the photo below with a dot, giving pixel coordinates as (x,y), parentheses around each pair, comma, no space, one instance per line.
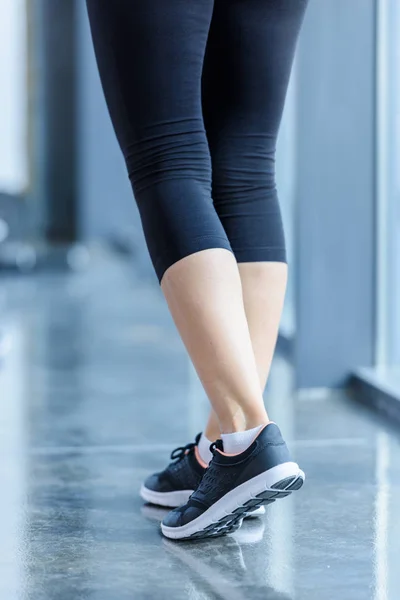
(162,263)
(261,254)
(242,255)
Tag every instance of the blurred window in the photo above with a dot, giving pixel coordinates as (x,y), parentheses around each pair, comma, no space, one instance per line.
(13,97)
(388,183)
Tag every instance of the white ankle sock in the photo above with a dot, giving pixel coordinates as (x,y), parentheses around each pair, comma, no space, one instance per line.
(204,449)
(235,443)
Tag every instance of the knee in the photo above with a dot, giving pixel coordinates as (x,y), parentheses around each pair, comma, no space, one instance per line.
(168,154)
(244,165)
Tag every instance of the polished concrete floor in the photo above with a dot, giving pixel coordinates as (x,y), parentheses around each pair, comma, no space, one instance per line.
(95,392)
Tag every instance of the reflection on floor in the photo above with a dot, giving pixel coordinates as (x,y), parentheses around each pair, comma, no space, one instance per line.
(95,392)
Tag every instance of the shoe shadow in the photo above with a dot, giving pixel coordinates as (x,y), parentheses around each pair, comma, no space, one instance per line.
(231,567)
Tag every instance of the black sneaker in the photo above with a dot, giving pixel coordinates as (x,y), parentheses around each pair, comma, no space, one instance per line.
(234,484)
(174,486)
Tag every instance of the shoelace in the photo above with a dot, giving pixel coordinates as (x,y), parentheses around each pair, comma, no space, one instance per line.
(179,453)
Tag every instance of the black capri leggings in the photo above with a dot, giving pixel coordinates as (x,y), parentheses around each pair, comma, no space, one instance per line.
(196,90)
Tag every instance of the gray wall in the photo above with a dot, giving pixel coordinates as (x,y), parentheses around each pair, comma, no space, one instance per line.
(335,207)
(286,183)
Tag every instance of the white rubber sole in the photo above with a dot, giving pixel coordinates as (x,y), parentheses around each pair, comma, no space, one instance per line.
(168,499)
(179,498)
(226,515)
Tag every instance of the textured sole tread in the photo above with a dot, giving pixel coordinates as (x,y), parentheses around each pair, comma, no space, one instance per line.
(232,522)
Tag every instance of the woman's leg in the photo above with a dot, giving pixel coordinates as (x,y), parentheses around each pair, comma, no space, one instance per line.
(150,56)
(247,66)
(263,286)
(249,57)
(204,295)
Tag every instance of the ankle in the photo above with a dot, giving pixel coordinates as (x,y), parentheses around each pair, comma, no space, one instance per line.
(249,421)
(212,431)
(256,420)
(233,423)
(236,443)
